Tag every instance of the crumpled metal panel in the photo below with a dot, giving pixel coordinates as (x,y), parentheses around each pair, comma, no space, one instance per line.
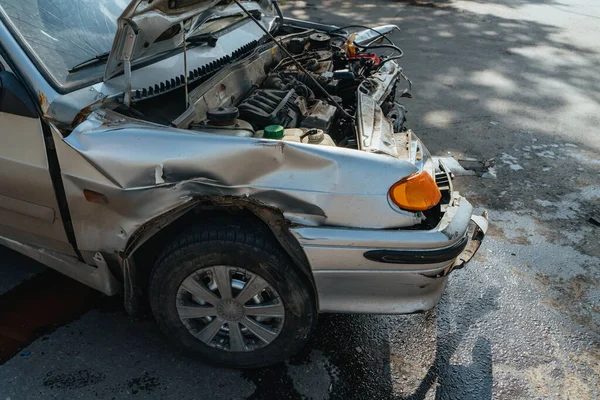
(376,133)
(145,170)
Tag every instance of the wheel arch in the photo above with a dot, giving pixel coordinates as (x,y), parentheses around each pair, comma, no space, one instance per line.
(147,242)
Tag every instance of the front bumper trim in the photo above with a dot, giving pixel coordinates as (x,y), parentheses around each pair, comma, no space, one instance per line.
(460,252)
(418,256)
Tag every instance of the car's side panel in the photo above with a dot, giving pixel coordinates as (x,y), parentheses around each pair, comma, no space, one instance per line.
(106,226)
(98,277)
(29,210)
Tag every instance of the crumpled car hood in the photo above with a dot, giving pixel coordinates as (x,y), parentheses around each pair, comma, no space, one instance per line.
(144,22)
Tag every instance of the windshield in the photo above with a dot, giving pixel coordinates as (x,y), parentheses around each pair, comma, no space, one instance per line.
(64,33)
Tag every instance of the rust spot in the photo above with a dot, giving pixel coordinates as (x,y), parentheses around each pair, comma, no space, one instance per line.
(82,115)
(43,102)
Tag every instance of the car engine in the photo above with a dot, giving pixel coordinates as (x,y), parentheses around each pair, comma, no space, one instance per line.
(289,97)
(325,85)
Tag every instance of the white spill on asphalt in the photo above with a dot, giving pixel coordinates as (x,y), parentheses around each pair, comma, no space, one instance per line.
(511,161)
(546,154)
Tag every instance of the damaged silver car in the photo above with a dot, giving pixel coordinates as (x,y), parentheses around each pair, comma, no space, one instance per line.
(237,170)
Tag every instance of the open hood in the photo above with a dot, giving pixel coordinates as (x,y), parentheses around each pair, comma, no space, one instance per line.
(150,27)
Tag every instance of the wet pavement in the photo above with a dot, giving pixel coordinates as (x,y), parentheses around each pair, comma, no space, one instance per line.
(514,81)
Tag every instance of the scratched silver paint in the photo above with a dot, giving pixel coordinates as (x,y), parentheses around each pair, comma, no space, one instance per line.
(147,169)
(335,199)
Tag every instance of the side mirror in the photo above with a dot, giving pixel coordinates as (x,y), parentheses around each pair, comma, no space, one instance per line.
(14,99)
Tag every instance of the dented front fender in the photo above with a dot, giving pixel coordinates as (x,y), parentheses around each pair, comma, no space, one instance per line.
(146,170)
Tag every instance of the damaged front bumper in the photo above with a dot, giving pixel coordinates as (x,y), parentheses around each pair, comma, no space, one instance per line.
(391,271)
(480,228)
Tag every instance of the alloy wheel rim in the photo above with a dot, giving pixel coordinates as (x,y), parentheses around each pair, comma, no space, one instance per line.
(230,308)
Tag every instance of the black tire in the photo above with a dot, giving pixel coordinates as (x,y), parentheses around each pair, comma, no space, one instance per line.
(245,245)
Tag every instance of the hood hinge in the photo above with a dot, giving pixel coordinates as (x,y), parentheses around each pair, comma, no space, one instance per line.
(128,47)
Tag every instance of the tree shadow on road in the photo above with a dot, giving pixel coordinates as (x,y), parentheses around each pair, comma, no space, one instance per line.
(361,352)
(472,381)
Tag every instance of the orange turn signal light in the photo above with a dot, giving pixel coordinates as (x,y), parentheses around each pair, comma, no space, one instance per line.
(418,192)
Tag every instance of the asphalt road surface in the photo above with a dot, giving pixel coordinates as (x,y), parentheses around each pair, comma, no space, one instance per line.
(517,81)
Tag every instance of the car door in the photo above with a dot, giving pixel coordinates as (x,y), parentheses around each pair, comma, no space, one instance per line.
(29,211)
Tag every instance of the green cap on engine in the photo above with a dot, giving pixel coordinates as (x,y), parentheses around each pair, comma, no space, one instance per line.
(274,132)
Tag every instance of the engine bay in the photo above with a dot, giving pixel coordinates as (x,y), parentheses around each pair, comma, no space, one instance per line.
(289,97)
(317,88)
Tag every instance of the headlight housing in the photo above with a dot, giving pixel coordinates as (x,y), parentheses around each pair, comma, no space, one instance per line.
(417,192)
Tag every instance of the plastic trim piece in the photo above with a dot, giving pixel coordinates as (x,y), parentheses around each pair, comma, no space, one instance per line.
(425,256)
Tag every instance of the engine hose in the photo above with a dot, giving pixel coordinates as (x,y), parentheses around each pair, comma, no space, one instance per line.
(382,46)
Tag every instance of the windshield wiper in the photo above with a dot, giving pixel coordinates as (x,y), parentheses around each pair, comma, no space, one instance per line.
(208,39)
(100,58)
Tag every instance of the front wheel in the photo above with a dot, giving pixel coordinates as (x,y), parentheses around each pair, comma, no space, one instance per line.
(228,293)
